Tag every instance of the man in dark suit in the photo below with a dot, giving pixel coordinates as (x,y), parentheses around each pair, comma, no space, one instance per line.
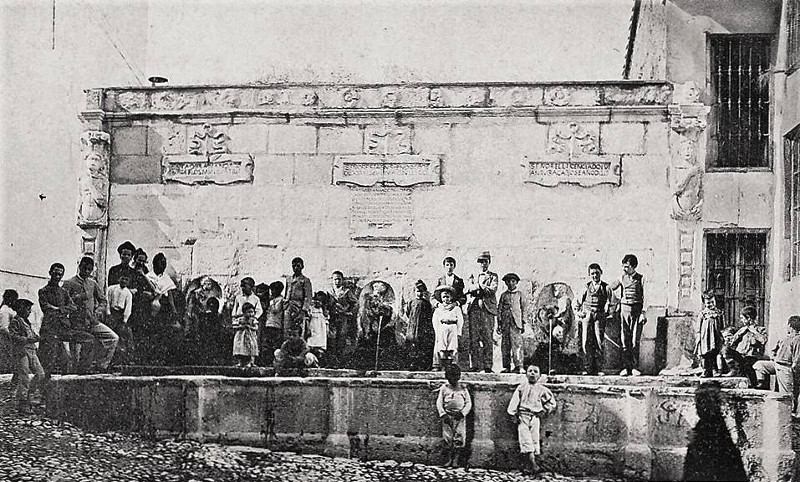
(450,279)
(478,333)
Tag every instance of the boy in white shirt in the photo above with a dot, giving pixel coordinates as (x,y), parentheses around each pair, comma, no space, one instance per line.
(247,296)
(531,400)
(118,309)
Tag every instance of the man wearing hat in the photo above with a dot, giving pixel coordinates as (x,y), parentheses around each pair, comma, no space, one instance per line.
(125,251)
(511,325)
(477,336)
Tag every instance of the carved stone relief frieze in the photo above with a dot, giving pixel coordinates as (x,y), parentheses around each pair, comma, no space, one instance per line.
(572,139)
(388,139)
(208,161)
(402,170)
(93,181)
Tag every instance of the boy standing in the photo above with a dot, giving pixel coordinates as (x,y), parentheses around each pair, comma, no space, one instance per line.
(512,325)
(529,403)
(247,296)
(631,313)
(593,307)
(23,340)
(343,309)
(297,304)
(478,349)
(453,405)
(449,278)
(272,337)
(419,334)
(120,304)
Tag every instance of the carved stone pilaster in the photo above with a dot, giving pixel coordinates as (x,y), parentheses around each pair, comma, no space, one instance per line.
(93,187)
(93,181)
(687,121)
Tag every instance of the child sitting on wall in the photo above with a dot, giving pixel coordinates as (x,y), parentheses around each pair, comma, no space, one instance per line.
(453,405)
(530,402)
(746,346)
(294,354)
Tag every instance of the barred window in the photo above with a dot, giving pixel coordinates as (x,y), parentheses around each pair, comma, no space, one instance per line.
(739,134)
(791,153)
(736,270)
(793,34)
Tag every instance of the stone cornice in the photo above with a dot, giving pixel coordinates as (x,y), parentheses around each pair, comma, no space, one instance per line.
(382,100)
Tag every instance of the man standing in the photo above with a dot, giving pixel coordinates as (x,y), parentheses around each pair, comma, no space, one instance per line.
(481,311)
(91,306)
(57,328)
(125,251)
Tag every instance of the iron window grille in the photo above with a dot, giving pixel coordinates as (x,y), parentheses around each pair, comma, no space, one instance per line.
(739,134)
(793,35)
(791,153)
(736,271)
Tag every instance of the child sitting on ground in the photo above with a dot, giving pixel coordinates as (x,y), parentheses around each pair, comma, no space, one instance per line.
(245,341)
(448,321)
(317,329)
(23,341)
(453,405)
(294,354)
(529,403)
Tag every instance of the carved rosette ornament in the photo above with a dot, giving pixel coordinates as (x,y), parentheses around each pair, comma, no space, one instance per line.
(93,181)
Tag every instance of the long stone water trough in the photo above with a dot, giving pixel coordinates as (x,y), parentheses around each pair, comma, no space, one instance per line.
(637,427)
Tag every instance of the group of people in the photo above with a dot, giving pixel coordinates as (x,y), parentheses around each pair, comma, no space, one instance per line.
(144,317)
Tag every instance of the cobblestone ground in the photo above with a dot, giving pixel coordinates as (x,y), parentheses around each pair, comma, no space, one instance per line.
(33,448)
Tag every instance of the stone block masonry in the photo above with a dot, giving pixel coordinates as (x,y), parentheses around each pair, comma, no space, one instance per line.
(637,432)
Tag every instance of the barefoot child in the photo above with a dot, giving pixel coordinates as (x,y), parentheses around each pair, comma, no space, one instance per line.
(317,329)
(453,405)
(511,326)
(529,403)
(245,342)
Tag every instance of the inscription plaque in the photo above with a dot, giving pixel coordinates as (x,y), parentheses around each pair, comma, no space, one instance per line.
(402,170)
(585,172)
(219,169)
(381,214)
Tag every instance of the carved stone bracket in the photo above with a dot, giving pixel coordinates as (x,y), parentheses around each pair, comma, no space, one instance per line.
(402,170)
(93,181)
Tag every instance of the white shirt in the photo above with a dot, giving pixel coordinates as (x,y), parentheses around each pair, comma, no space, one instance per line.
(6,313)
(120,299)
(318,327)
(241,300)
(162,283)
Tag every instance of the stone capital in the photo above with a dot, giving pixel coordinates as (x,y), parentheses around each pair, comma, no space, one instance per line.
(685,118)
(93,119)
